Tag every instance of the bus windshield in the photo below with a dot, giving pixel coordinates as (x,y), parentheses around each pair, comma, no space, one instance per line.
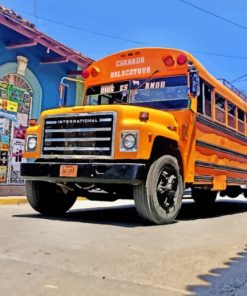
(160,93)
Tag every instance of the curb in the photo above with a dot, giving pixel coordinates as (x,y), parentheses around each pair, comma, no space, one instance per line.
(13,200)
(7,200)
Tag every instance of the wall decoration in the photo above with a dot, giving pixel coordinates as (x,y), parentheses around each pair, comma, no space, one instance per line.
(22,119)
(3,174)
(4,158)
(4,126)
(15,174)
(20,132)
(15,105)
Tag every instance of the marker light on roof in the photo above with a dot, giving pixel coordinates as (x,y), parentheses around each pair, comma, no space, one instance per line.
(181,59)
(85,74)
(95,71)
(168,61)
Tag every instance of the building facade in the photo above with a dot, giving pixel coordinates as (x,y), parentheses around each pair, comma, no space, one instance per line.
(32,65)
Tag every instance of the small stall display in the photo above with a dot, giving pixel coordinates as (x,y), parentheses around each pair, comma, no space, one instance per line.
(15,105)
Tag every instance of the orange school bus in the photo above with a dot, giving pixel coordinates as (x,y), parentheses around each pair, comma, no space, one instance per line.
(153,122)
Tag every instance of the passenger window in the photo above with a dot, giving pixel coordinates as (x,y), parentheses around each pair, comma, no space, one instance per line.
(207,100)
(240,121)
(200,100)
(220,109)
(245,116)
(231,108)
(204,100)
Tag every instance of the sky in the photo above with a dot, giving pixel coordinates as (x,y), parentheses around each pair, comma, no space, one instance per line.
(98,28)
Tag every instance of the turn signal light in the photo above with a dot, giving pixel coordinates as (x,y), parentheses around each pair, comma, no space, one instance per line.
(85,74)
(168,61)
(144,116)
(32,122)
(181,59)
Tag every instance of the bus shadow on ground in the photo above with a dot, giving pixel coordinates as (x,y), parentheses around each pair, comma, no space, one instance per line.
(222,207)
(126,216)
(228,281)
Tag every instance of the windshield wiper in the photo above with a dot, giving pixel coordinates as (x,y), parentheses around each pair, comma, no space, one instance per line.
(108,96)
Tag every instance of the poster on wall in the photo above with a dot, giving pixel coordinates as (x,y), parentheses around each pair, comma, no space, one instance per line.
(19,132)
(3,166)
(4,126)
(15,94)
(4,148)
(15,161)
(4,158)
(4,87)
(25,104)
(22,119)
(3,174)
(4,142)
(15,104)
(17,150)
(15,174)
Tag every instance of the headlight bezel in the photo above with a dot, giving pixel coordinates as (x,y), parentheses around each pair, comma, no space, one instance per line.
(124,139)
(28,139)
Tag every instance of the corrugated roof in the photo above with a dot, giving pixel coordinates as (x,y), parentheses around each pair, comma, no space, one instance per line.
(17,23)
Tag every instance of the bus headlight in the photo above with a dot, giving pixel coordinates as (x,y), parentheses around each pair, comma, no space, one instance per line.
(31,143)
(129,141)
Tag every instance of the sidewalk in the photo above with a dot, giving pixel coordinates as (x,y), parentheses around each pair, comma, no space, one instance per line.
(9,200)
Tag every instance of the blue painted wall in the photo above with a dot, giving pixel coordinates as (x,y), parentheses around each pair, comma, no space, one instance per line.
(48,75)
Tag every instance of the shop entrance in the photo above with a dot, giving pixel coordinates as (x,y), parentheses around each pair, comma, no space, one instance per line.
(15,109)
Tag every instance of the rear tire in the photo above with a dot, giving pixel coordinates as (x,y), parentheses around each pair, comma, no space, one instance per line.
(204,198)
(48,198)
(159,199)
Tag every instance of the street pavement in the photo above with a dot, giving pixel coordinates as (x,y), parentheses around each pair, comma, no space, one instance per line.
(106,249)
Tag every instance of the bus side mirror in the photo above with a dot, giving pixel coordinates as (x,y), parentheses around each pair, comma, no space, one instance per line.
(194,84)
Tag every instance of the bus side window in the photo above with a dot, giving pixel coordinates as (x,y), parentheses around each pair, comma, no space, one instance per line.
(231,108)
(204,100)
(200,100)
(245,124)
(241,121)
(220,113)
(245,116)
(208,100)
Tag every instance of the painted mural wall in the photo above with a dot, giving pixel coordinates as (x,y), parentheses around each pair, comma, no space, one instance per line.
(24,96)
(15,108)
(47,76)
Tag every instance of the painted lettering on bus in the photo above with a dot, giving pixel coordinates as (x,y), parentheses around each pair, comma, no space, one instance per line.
(157,84)
(107,89)
(128,62)
(130,72)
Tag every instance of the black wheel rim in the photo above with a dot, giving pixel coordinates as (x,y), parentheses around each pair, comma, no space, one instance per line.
(167,188)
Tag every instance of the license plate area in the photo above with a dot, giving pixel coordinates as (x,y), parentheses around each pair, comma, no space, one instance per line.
(68,170)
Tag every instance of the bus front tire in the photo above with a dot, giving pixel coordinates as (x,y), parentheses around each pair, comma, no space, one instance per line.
(48,198)
(159,199)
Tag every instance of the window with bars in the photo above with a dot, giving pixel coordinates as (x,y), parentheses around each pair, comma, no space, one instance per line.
(204,100)
(220,112)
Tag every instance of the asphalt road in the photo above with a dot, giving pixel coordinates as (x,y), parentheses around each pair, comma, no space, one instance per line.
(105,249)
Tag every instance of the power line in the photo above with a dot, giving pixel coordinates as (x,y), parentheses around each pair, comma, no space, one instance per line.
(84,30)
(125,39)
(238,78)
(220,55)
(214,14)
(242,81)
(35,12)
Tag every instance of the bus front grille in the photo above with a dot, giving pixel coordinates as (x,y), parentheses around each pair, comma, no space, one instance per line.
(73,135)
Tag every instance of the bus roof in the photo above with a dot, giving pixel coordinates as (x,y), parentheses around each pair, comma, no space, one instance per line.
(141,63)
